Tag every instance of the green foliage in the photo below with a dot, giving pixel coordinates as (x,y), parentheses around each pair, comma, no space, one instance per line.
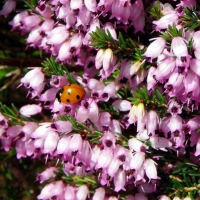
(155,11)
(185,180)
(13,115)
(191,19)
(155,101)
(171,33)
(123,48)
(51,67)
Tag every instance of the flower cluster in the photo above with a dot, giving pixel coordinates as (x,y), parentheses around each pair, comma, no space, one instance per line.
(136,106)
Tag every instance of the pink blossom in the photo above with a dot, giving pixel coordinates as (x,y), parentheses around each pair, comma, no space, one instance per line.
(178,47)
(30,109)
(195,66)
(113,167)
(136,145)
(122,105)
(62,126)
(120,180)
(155,48)
(8,7)
(50,142)
(150,169)
(47,174)
(197,152)
(82,193)
(69,193)
(91,5)
(137,160)
(99,194)
(47,192)
(75,143)
(63,145)
(159,142)
(104,159)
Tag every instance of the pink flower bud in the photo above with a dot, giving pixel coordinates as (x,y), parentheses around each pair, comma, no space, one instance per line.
(150,169)
(47,174)
(75,143)
(119,180)
(50,142)
(137,160)
(178,47)
(31,109)
(104,159)
(99,194)
(82,193)
(8,7)
(155,48)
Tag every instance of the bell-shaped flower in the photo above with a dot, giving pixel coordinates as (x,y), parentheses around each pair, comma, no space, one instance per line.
(140,196)
(175,123)
(137,160)
(104,159)
(159,142)
(115,127)
(30,109)
(76,142)
(105,119)
(113,167)
(47,191)
(47,174)
(82,192)
(42,130)
(196,40)
(108,140)
(195,65)
(57,35)
(110,27)
(166,20)
(13,131)
(178,47)
(70,193)
(151,78)
(191,82)
(8,7)
(3,121)
(31,21)
(99,194)
(62,126)
(63,145)
(50,142)
(121,105)
(84,17)
(90,5)
(136,145)
(197,152)
(82,113)
(174,108)
(150,169)
(119,180)
(155,48)
(76,4)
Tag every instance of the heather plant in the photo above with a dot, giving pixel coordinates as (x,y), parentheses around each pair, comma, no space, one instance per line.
(112,110)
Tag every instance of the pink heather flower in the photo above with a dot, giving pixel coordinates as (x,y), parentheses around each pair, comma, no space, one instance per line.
(3,121)
(151,78)
(197,152)
(57,35)
(83,18)
(50,142)
(174,108)
(137,160)
(136,145)
(195,65)
(42,131)
(70,193)
(191,82)
(8,7)
(47,191)
(47,174)
(150,169)
(140,196)
(82,193)
(82,114)
(75,143)
(120,152)
(178,47)
(104,159)
(155,48)
(44,10)
(108,140)
(165,21)
(20,149)
(110,27)
(196,40)
(99,194)
(58,81)
(121,105)
(159,142)
(105,119)
(64,51)
(33,78)
(6,143)
(108,59)
(63,145)
(30,109)
(115,127)
(119,180)
(152,122)
(113,167)
(193,123)
(62,126)
(175,123)
(14,131)
(90,5)
(76,4)
(31,21)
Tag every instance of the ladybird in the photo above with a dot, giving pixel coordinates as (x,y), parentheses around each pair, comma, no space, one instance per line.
(70,94)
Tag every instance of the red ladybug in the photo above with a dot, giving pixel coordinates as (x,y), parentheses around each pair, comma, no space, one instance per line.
(70,94)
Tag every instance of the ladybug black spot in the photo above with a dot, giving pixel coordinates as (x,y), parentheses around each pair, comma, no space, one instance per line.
(78,97)
(68,101)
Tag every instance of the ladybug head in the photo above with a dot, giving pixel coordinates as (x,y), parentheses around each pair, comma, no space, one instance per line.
(58,94)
